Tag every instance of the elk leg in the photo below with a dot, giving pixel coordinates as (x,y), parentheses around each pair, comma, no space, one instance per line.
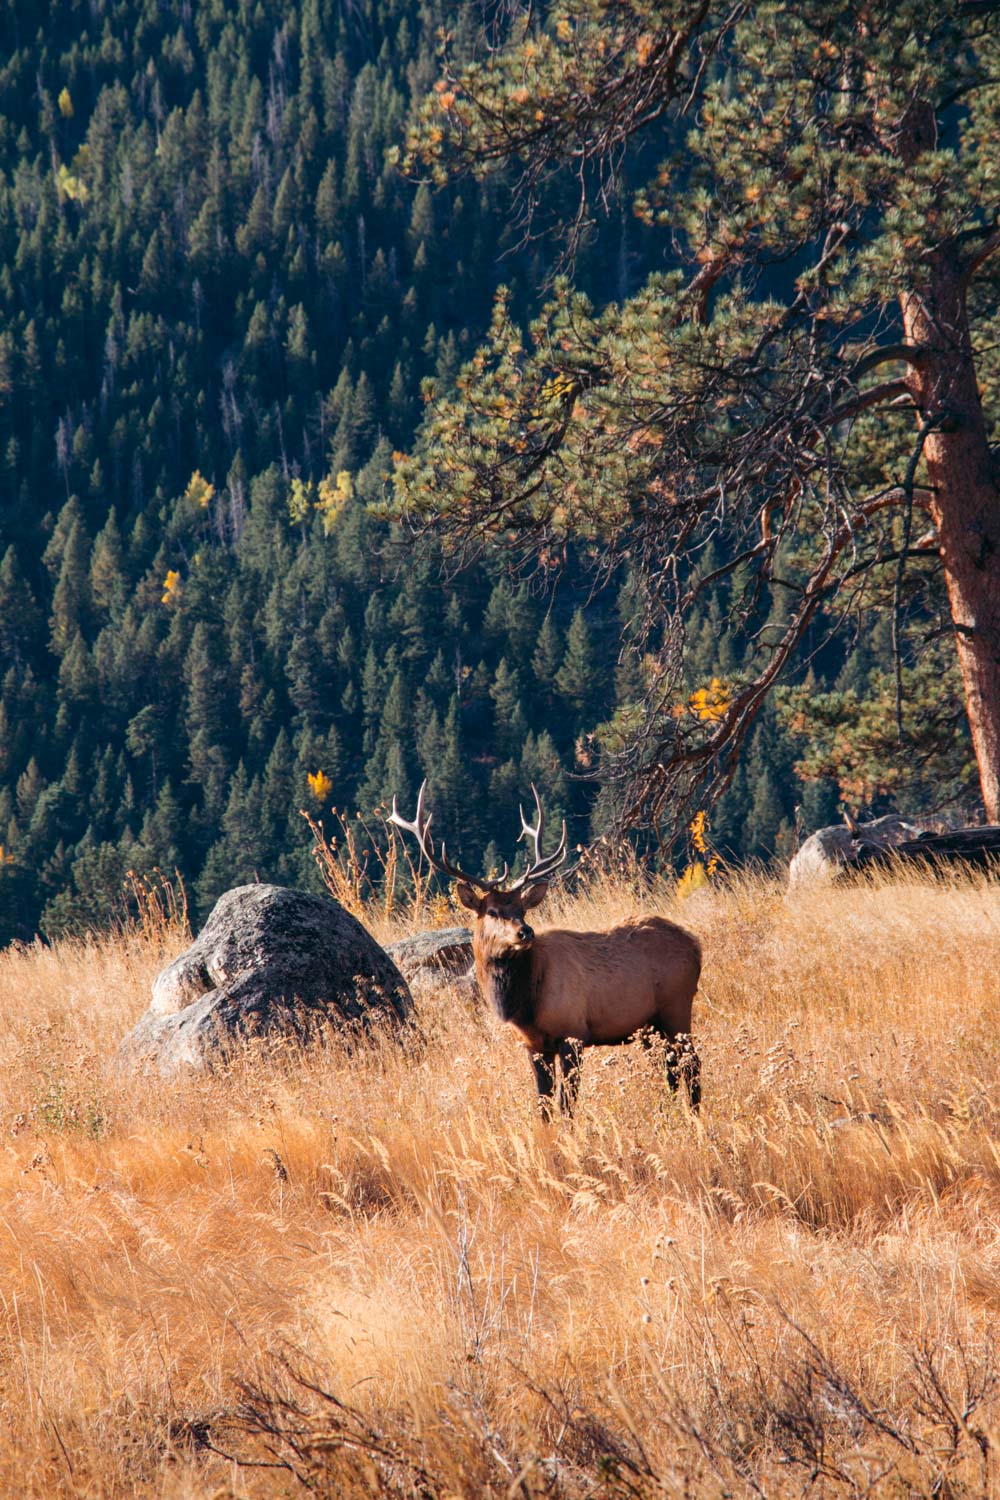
(672,1062)
(684,1062)
(691,1067)
(569,1062)
(544,1064)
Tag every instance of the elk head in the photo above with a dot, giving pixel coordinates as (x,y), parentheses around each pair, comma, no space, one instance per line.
(499,906)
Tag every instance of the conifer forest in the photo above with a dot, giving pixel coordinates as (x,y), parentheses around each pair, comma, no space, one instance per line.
(235,289)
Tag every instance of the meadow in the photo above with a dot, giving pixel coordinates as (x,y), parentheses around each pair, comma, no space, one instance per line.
(379,1273)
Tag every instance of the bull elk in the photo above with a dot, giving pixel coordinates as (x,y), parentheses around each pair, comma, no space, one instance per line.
(563,991)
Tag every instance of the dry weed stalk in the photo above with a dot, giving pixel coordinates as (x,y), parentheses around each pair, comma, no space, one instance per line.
(153,909)
(364,874)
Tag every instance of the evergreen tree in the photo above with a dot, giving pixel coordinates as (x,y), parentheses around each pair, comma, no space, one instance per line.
(19,615)
(108,587)
(651,429)
(71,596)
(509,717)
(576,678)
(547,658)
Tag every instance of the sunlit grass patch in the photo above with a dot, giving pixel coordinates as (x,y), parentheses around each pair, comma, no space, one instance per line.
(377,1270)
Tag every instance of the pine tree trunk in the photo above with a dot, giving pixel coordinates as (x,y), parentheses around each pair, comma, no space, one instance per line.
(965,500)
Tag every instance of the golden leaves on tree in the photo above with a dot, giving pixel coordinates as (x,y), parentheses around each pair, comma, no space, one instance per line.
(199,491)
(320,785)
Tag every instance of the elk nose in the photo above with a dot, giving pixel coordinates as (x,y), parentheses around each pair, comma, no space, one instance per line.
(525,933)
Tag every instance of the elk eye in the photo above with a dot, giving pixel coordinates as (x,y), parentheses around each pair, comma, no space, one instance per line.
(492,912)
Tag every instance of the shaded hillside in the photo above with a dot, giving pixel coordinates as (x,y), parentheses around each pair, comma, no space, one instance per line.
(218,310)
(208,272)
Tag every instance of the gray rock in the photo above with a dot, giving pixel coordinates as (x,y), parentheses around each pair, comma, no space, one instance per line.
(444,951)
(270,963)
(825,852)
(961,848)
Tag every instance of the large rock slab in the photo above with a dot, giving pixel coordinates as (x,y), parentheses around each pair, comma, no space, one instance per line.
(964,848)
(442,950)
(441,956)
(827,851)
(269,964)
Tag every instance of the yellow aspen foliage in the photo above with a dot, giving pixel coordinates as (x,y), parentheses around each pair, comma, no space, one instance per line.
(701,870)
(693,879)
(320,785)
(5,857)
(300,501)
(199,491)
(171,586)
(333,496)
(65,104)
(69,185)
(710,703)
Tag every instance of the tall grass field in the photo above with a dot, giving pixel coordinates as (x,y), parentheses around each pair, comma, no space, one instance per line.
(379,1273)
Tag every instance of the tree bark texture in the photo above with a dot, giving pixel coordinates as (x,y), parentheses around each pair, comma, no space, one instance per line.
(965,501)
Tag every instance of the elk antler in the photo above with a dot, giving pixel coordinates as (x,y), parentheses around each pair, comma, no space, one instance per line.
(539,868)
(420,828)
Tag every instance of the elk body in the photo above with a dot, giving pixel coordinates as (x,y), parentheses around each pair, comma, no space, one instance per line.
(563,991)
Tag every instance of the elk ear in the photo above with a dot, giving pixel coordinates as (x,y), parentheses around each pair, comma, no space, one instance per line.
(467,896)
(535,894)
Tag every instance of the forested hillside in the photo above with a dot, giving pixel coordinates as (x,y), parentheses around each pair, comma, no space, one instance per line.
(220,307)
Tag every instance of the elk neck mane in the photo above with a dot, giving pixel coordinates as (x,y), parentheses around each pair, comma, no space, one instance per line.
(505,977)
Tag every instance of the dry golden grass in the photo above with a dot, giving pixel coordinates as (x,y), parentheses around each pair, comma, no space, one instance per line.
(380,1274)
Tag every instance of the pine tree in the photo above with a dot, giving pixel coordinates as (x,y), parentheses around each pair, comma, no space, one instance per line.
(277,792)
(450,783)
(108,586)
(298,350)
(547,658)
(400,401)
(576,679)
(768,810)
(230,860)
(421,230)
(509,718)
(304,669)
(19,614)
(615,426)
(161,833)
(285,206)
(542,767)
(207,720)
(77,678)
(760,834)
(328,202)
(254,236)
(92,886)
(144,737)
(70,600)
(362,422)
